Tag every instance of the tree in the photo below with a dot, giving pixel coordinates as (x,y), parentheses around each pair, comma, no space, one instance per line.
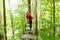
(4,14)
(36,21)
(29,6)
(11,21)
(54,19)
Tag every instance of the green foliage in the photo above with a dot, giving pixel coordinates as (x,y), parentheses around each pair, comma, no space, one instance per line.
(20,22)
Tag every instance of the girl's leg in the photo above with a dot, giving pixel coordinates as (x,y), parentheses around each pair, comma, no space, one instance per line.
(30,25)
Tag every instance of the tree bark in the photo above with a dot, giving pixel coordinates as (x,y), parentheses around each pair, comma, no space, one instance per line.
(54,19)
(36,21)
(29,6)
(4,14)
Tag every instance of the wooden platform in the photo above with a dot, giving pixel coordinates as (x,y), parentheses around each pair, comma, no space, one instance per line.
(27,36)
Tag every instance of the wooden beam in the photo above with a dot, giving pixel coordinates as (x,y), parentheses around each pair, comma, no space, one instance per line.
(27,36)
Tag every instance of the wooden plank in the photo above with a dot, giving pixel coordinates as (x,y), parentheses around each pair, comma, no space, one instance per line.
(27,36)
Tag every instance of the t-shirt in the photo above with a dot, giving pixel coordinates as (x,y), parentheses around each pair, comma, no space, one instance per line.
(29,17)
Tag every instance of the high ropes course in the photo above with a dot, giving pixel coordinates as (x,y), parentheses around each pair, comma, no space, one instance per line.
(29,35)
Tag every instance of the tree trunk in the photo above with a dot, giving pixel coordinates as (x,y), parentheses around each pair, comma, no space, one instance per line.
(4,14)
(29,6)
(54,19)
(36,21)
(11,21)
